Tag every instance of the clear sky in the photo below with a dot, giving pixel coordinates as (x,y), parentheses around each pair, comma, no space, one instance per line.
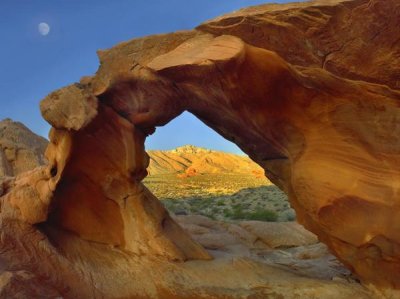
(32,64)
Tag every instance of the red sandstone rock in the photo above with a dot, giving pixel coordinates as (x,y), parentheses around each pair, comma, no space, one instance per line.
(356,39)
(276,81)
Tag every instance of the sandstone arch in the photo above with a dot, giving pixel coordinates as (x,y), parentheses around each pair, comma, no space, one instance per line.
(329,142)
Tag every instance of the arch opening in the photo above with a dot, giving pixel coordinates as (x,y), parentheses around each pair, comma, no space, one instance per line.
(195,171)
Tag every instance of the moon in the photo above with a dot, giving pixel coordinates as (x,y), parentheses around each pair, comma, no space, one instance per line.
(44,28)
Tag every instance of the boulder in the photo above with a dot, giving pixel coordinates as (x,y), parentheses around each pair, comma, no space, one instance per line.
(280,234)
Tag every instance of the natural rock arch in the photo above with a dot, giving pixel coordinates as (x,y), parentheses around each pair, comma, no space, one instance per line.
(329,142)
(279,116)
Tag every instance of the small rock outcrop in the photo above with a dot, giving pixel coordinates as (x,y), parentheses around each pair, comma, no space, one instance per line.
(309,91)
(190,149)
(20,149)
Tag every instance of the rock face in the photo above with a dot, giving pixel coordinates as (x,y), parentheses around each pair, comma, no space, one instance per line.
(314,104)
(191,159)
(20,149)
(347,38)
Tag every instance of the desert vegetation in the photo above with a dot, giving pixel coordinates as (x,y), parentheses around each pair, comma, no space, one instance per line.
(226,197)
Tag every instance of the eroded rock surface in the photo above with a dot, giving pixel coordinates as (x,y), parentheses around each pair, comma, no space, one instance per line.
(295,249)
(277,81)
(20,149)
(356,39)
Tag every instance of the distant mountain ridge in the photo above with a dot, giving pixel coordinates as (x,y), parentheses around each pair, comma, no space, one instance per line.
(190,160)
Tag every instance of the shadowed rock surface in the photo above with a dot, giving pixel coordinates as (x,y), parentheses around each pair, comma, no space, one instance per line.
(291,87)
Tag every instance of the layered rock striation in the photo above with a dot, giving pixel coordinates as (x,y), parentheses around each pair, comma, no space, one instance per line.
(315,105)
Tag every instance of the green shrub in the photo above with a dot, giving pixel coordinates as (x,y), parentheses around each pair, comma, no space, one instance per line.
(228,213)
(263,215)
(290,215)
(238,213)
(215,210)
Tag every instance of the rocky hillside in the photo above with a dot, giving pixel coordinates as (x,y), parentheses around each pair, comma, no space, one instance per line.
(191,160)
(20,148)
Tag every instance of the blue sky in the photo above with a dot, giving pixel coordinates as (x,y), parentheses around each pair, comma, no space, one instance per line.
(33,65)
